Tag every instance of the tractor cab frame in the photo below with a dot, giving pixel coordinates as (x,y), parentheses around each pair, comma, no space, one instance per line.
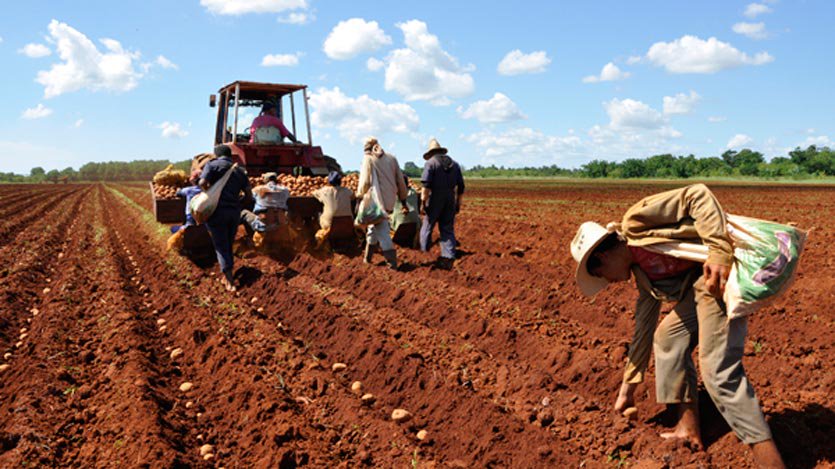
(238,103)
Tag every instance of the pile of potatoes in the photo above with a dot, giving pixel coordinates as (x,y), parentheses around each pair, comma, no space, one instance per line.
(304,186)
(163,192)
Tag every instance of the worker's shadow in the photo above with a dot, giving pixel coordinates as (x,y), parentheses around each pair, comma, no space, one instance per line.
(246,276)
(804,437)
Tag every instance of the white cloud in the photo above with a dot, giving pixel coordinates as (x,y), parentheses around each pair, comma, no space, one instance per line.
(78,123)
(424,71)
(281,60)
(610,72)
(755,9)
(353,37)
(634,59)
(632,114)
(525,146)
(752,30)
(716,119)
(690,54)
(38,112)
(374,64)
(681,103)
(35,51)
(739,141)
(634,128)
(296,18)
(163,62)
(818,141)
(84,66)
(497,109)
(357,118)
(172,130)
(516,62)
(240,7)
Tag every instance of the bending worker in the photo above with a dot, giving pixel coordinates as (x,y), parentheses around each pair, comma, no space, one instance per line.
(690,214)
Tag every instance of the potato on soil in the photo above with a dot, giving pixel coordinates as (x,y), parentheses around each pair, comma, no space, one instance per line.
(186,387)
(400,415)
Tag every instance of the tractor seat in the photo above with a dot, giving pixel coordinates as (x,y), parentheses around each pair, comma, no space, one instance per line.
(267,136)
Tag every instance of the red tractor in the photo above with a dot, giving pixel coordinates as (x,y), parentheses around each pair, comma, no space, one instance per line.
(238,103)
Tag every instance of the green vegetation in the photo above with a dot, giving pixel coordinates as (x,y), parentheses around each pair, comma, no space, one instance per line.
(813,162)
(799,164)
(138,170)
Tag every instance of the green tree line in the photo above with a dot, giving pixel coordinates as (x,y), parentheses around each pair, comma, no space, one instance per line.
(800,163)
(138,170)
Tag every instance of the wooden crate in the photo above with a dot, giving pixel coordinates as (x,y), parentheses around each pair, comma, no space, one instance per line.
(169,210)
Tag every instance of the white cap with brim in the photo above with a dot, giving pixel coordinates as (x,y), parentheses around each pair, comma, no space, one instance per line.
(588,237)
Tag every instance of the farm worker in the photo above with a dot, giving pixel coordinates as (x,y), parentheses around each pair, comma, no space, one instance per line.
(382,170)
(399,217)
(223,224)
(614,254)
(336,202)
(407,237)
(178,231)
(269,118)
(188,192)
(268,196)
(443,189)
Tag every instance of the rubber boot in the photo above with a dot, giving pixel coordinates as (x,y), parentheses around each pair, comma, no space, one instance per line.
(391,258)
(369,253)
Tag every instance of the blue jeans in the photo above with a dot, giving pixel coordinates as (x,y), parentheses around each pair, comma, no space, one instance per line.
(442,214)
(223,225)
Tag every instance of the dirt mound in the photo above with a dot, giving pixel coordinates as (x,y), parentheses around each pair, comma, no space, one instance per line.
(122,353)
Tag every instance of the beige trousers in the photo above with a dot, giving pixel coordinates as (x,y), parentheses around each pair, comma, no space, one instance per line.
(700,318)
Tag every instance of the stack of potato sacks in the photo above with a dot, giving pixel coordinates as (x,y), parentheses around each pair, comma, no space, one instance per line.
(168,181)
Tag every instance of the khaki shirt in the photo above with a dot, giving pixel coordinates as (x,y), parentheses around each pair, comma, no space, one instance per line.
(336,202)
(690,214)
(392,185)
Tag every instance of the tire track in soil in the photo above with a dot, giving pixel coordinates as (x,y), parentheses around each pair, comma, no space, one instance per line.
(361,435)
(12,226)
(538,378)
(26,434)
(10,203)
(342,323)
(490,444)
(28,262)
(129,409)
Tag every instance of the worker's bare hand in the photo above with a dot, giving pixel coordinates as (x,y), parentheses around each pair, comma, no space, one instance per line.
(716,275)
(404,210)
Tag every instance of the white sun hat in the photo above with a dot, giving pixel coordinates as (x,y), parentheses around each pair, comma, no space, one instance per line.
(587,238)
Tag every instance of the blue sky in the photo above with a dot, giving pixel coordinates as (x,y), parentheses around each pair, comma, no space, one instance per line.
(506,83)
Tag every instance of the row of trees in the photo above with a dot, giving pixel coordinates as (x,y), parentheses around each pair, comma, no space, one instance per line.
(138,170)
(799,163)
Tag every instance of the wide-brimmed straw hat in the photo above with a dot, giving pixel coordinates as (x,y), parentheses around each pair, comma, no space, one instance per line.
(434,147)
(588,237)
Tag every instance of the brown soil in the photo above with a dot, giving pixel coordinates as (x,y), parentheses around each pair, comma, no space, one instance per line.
(500,360)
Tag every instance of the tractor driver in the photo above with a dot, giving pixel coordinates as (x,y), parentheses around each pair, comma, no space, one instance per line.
(267,119)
